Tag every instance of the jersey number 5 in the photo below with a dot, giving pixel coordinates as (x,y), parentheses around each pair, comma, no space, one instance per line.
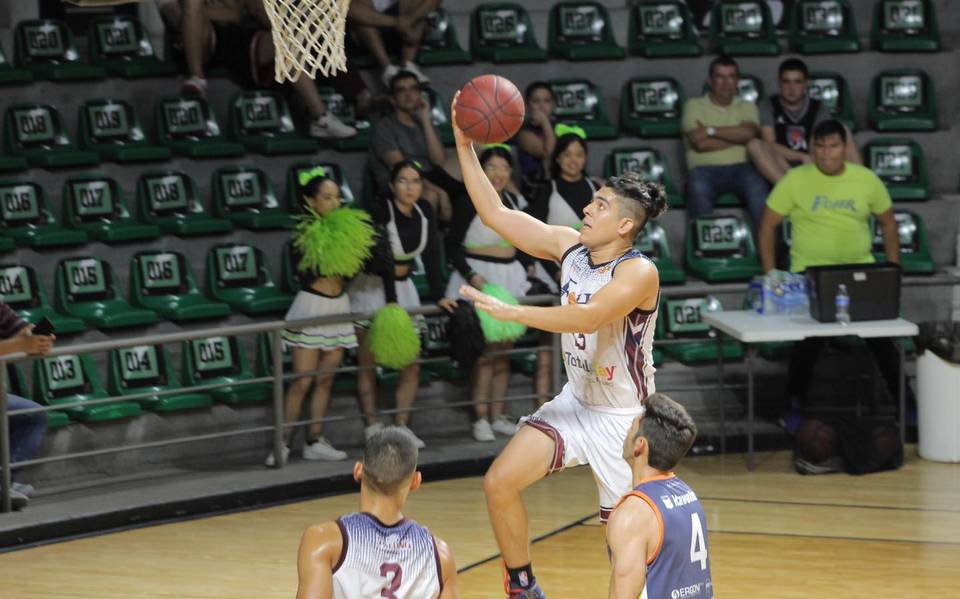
(698,545)
(394,581)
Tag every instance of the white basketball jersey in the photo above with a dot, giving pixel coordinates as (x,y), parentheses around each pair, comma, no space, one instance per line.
(612,367)
(398,562)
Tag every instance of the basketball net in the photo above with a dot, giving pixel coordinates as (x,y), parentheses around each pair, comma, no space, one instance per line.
(308,37)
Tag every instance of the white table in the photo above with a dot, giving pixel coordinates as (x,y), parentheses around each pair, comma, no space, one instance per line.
(749,327)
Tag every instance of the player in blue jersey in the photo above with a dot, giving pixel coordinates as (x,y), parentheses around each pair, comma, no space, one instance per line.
(376,552)
(657,534)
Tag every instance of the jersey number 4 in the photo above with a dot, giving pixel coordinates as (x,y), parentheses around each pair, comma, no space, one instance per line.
(698,545)
(394,574)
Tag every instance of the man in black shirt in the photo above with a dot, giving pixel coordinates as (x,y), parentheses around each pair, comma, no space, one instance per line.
(787,121)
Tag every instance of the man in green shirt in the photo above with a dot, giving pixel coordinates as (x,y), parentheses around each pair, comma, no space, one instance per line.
(829,203)
(716,130)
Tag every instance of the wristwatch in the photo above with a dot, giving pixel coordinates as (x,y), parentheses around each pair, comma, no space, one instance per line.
(711,131)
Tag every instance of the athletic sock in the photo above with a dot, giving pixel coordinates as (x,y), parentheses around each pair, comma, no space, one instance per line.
(522,577)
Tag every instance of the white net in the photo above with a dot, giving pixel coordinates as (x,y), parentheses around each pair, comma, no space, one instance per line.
(308,37)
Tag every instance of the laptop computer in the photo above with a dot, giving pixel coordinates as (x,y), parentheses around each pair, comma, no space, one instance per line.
(874,290)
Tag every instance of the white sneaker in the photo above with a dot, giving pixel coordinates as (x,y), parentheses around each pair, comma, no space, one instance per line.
(416,71)
(322,450)
(194,86)
(23,488)
(504,426)
(271,461)
(372,430)
(330,126)
(388,74)
(482,431)
(416,440)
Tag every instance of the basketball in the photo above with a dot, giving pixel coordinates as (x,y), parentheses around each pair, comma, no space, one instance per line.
(490,109)
(816,441)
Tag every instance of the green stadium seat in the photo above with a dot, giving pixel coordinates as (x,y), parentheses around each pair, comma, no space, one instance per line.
(902,100)
(419,275)
(901,166)
(85,287)
(162,281)
(73,378)
(652,106)
(682,318)
(440,44)
(823,27)
(832,89)
(240,276)
(145,369)
(245,195)
(581,30)
(721,248)
(264,365)
(289,281)
(579,101)
(295,190)
(647,161)
(188,126)
(346,110)
(6,244)
(119,44)
(18,386)
(652,241)
(112,129)
(660,29)
(221,360)
(95,204)
(10,75)
(170,199)
(915,257)
(25,216)
(503,32)
(48,49)
(35,132)
(261,121)
(438,113)
(12,163)
(741,28)
(905,26)
(23,292)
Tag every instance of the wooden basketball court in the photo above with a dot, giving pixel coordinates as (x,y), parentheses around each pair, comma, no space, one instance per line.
(772,533)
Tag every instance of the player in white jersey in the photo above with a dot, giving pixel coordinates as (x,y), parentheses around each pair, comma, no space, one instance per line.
(609,303)
(376,552)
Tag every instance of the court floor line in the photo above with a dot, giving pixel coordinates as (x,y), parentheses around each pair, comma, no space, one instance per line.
(542,537)
(837,505)
(831,537)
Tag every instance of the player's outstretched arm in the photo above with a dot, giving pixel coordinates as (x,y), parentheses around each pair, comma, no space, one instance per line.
(629,536)
(635,285)
(320,548)
(524,232)
(448,567)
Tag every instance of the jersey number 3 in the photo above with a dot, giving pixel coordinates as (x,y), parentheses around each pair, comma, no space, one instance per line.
(698,545)
(386,570)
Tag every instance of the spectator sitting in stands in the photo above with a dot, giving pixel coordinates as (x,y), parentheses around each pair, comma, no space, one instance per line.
(408,133)
(407,18)
(536,139)
(786,122)
(26,430)
(829,204)
(717,128)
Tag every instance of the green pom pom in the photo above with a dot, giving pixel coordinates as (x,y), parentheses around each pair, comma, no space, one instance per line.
(335,244)
(394,340)
(499,331)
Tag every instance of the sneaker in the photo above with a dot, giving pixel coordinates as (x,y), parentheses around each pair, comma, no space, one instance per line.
(828,466)
(23,488)
(482,431)
(388,74)
(329,125)
(322,450)
(416,71)
(534,592)
(504,426)
(271,461)
(194,86)
(17,499)
(372,430)
(416,440)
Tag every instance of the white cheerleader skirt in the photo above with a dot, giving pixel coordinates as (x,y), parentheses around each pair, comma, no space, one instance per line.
(312,304)
(506,272)
(367,295)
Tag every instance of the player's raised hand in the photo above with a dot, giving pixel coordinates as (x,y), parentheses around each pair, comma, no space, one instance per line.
(490,304)
(458,135)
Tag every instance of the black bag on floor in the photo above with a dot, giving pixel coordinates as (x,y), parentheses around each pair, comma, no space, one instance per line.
(870,444)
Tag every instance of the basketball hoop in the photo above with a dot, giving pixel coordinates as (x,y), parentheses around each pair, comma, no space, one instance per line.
(308,37)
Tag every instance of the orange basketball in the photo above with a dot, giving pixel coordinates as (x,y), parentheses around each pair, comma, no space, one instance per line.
(490,109)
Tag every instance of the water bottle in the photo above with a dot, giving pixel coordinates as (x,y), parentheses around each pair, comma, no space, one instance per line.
(843,305)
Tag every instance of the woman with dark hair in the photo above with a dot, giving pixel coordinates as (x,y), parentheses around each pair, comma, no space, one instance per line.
(480,256)
(536,139)
(411,229)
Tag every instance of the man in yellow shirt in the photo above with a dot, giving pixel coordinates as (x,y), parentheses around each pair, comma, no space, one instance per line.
(716,130)
(829,204)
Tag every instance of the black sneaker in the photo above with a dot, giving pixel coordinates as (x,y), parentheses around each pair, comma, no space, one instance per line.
(827,466)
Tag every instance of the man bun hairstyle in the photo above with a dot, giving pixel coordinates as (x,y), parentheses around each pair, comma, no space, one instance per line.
(669,431)
(638,197)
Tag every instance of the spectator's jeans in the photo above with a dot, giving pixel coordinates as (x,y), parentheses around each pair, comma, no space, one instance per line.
(804,357)
(26,430)
(706,183)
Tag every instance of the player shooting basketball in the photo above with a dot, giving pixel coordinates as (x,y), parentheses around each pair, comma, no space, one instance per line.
(607,318)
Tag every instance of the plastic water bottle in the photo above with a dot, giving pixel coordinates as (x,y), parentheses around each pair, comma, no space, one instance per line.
(843,305)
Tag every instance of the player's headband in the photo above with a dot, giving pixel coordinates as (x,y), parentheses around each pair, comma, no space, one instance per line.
(307,176)
(562,129)
(501,146)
